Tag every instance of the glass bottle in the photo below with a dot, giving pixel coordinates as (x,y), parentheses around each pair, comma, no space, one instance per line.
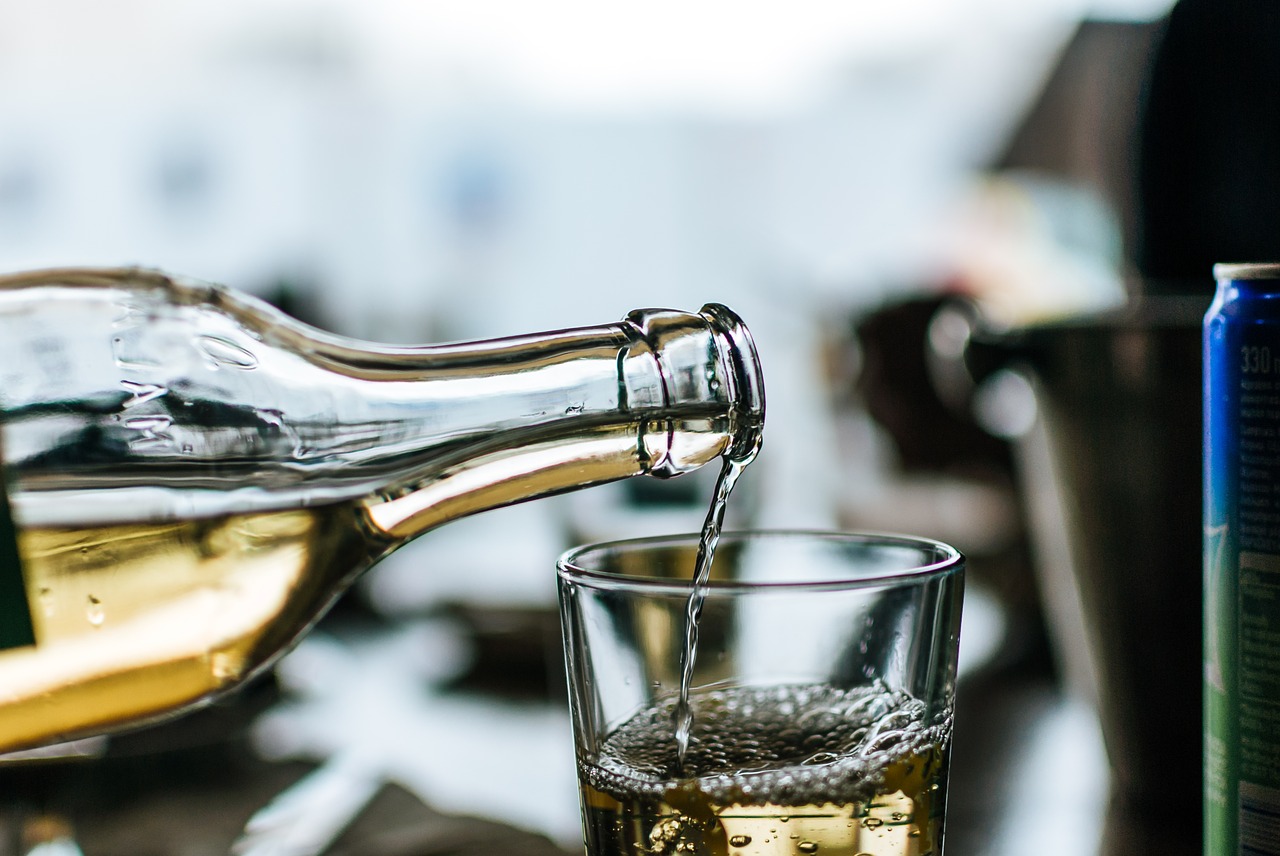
(194,477)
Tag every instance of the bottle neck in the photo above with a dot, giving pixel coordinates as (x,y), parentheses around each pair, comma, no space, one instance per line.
(493,423)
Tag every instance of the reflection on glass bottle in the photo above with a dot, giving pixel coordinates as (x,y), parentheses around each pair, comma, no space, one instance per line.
(194,477)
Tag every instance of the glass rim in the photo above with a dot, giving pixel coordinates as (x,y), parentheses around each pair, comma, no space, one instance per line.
(949,560)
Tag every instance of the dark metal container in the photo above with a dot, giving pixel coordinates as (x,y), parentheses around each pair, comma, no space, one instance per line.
(1109,474)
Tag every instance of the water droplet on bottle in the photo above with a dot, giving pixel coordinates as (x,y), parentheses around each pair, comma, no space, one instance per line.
(224,352)
(141,393)
(740,840)
(151,432)
(807,847)
(148,423)
(94,612)
(222,666)
(47,603)
(872,823)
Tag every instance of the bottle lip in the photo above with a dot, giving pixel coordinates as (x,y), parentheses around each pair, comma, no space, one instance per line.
(748,374)
(1246,270)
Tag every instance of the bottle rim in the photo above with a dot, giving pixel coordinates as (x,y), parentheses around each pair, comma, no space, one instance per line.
(749,374)
(1246,270)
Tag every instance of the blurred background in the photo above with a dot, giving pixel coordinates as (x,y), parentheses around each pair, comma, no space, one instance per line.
(415,172)
(411,169)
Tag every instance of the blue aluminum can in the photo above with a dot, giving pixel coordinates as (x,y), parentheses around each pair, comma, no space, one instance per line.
(1242,562)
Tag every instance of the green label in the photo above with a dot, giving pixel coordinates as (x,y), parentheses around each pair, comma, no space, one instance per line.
(1221,738)
(15,612)
(1258,672)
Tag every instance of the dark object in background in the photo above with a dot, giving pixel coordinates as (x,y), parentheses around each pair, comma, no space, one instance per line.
(1119,398)
(1208,168)
(1083,128)
(1175,123)
(898,392)
(937,439)
(517,653)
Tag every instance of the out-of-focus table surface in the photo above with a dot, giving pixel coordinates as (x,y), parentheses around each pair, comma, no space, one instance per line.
(1028,770)
(202,811)
(1029,776)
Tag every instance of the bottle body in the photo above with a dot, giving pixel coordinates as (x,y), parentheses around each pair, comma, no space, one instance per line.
(195,478)
(1241,560)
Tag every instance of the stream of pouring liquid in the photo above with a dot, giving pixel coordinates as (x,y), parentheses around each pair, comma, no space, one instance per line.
(730,471)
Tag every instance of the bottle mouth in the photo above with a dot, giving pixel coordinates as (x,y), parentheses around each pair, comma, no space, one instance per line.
(704,365)
(738,350)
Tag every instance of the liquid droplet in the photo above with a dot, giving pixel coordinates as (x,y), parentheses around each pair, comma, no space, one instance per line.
(47,603)
(872,823)
(222,666)
(148,423)
(807,847)
(141,393)
(94,612)
(150,431)
(224,352)
(740,840)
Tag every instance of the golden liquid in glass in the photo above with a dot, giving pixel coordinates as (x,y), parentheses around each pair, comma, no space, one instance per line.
(786,771)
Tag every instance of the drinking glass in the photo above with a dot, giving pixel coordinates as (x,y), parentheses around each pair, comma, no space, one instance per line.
(821,693)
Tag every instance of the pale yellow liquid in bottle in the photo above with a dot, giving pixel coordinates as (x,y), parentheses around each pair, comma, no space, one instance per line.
(135,619)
